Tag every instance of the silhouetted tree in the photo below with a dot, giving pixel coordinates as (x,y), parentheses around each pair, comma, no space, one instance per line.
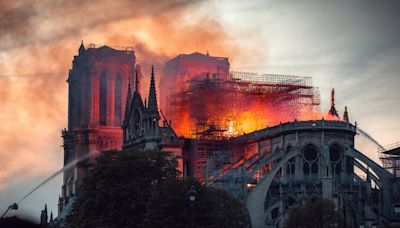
(169,206)
(319,213)
(17,223)
(140,189)
(116,191)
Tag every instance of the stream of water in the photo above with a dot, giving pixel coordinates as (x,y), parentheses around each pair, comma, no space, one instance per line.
(70,165)
(369,137)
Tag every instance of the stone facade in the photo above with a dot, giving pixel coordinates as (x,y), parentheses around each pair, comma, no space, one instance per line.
(272,170)
(141,126)
(97,85)
(292,163)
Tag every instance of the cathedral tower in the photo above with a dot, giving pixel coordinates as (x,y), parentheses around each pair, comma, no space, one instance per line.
(97,86)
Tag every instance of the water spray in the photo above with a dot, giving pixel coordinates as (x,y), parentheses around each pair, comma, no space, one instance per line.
(14,206)
(70,165)
(370,138)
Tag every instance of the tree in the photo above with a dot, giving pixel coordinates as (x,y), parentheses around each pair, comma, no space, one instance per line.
(140,189)
(319,213)
(116,191)
(169,206)
(17,222)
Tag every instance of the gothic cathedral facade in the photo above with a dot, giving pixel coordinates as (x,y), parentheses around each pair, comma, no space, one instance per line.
(97,95)
(104,114)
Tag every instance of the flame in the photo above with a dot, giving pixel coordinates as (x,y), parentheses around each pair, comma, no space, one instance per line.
(227,117)
(328,116)
(245,122)
(231,129)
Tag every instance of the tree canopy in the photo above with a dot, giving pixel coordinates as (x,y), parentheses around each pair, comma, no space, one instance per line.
(170,206)
(136,188)
(319,213)
(118,187)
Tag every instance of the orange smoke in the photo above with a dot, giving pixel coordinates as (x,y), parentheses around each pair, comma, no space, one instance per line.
(37,45)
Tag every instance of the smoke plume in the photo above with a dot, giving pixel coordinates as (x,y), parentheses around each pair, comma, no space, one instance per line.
(38,42)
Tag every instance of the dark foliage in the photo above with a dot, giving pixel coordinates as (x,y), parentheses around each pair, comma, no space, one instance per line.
(141,189)
(116,192)
(17,222)
(319,213)
(170,207)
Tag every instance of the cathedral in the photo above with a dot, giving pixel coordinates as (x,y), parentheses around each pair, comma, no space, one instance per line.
(272,170)
(100,102)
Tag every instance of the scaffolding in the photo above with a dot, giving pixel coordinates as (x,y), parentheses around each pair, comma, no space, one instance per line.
(204,167)
(216,107)
(390,157)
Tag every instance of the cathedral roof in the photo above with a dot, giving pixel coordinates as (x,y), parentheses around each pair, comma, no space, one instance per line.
(197,56)
(109,53)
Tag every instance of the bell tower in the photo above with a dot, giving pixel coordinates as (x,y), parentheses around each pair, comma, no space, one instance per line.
(97,92)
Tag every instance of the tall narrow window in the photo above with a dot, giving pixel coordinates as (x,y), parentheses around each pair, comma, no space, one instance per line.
(118,100)
(85,101)
(78,103)
(103,99)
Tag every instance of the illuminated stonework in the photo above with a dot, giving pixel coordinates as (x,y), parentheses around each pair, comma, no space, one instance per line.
(97,85)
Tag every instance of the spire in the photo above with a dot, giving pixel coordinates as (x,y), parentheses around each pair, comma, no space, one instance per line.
(81,48)
(345,114)
(137,82)
(152,105)
(51,217)
(43,216)
(333,111)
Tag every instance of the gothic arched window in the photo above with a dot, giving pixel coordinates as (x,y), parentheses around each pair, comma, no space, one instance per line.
(118,100)
(103,99)
(335,155)
(310,162)
(291,167)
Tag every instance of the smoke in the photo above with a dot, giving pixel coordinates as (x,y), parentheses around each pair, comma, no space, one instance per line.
(37,45)
(32,22)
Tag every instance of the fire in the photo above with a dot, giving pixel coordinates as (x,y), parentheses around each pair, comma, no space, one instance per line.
(182,125)
(248,122)
(231,129)
(232,117)
(204,99)
(244,122)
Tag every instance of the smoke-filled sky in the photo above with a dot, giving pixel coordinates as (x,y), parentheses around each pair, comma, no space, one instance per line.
(353,46)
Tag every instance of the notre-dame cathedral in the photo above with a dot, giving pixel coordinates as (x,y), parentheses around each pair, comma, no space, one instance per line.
(100,102)
(272,170)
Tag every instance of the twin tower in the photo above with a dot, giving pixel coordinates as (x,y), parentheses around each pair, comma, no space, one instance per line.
(104,113)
